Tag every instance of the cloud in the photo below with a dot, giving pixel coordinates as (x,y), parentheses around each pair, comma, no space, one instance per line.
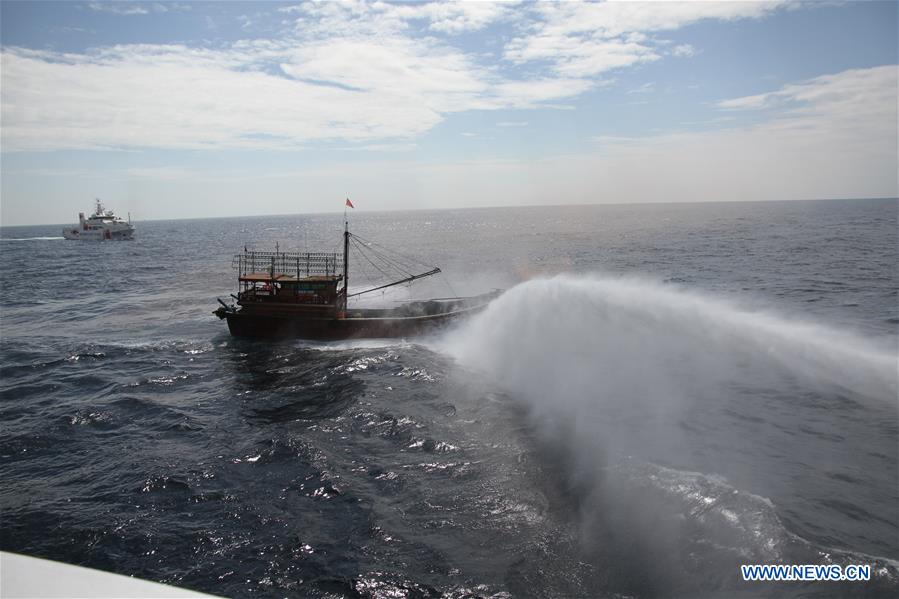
(588,39)
(137,8)
(119,8)
(576,57)
(352,17)
(646,88)
(530,93)
(444,78)
(831,136)
(869,90)
(828,137)
(836,137)
(455,17)
(683,50)
(176,97)
(256,94)
(358,72)
(615,19)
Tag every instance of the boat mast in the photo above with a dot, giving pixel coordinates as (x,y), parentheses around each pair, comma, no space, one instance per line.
(346,259)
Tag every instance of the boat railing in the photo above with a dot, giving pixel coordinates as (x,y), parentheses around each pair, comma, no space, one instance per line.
(299,264)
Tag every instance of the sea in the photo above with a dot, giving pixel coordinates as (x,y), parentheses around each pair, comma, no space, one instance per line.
(662,394)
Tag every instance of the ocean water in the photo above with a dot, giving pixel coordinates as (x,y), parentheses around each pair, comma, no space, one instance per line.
(662,394)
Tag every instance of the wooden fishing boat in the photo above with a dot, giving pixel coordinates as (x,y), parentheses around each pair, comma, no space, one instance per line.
(305,295)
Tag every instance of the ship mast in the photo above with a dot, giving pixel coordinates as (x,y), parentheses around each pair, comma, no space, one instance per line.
(346,260)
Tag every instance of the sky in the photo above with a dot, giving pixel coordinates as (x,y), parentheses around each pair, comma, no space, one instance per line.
(204,109)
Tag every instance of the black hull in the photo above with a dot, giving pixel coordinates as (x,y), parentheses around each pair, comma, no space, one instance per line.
(241,324)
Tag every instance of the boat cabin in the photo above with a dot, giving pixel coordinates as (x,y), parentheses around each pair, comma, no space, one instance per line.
(289,278)
(290,289)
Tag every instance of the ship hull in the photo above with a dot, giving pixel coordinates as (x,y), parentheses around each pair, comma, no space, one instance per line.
(332,329)
(365,324)
(98,235)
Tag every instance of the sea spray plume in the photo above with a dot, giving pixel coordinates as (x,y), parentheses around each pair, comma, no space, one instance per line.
(610,368)
(625,364)
(566,330)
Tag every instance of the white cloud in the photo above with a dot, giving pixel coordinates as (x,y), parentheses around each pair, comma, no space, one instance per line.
(119,8)
(834,96)
(362,72)
(446,79)
(832,136)
(351,72)
(530,93)
(254,94)
(455,17)
(353,17)
(646,88)
(829,137)
(613,19)
(129,8)
(588,39)
(835,137)
(181,98)
(683,50)
(576,57)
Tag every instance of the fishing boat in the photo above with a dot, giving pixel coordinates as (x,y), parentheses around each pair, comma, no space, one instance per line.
(102,225)
(305,295)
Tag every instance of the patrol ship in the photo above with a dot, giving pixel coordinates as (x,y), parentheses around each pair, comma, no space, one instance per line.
(102,225)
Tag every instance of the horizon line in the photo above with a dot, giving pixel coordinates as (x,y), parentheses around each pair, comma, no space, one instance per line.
(517,206)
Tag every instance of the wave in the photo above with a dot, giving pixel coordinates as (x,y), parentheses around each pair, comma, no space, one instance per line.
(683,533)
(31,238)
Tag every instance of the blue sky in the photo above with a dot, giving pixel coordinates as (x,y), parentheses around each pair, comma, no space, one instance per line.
(183,109)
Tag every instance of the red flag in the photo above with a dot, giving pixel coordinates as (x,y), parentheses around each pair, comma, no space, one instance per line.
(349,203)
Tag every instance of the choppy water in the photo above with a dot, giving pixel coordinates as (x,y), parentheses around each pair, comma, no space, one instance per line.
(705,386)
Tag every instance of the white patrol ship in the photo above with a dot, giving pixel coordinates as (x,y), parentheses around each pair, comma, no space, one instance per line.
(102,224)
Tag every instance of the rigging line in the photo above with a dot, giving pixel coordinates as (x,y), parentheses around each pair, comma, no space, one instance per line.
(368,278)
(397,255)
(407,281)
(399,259)
(363,254)
(400,266)
(365,271)
(377,253)
(448,284)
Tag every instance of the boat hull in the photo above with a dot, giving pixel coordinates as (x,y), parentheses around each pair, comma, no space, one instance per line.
(98,235)
(330,329)
(274,321)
